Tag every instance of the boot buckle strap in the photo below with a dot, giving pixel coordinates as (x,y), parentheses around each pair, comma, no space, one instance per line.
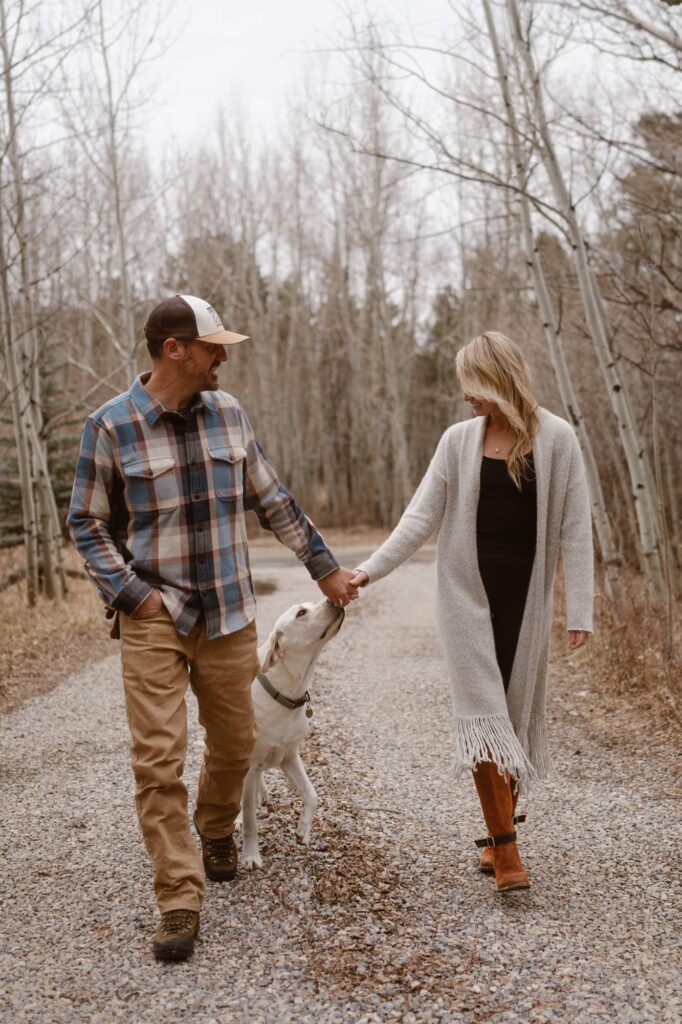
(507,837)
(518,819)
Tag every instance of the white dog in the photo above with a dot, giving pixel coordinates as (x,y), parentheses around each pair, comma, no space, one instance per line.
(282,707)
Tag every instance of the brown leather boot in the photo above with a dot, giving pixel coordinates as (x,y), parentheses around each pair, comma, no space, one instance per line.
(175,935)
(495,795)
(220,857)
(485,862)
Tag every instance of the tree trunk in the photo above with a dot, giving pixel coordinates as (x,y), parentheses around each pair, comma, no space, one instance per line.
(602,522)
(41,522)
(638,463)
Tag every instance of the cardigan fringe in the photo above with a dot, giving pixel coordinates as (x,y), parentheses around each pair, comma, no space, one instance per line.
(534,742)
(491,738)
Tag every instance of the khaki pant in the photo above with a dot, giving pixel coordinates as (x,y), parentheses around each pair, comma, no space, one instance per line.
(158,664)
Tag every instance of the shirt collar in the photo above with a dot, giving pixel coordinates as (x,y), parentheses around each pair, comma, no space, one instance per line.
(151,408)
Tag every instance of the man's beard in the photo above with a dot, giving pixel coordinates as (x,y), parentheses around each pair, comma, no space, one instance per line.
(212,382)
(207,381)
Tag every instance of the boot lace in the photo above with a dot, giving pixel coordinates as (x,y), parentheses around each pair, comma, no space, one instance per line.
(219,849)
(175,921)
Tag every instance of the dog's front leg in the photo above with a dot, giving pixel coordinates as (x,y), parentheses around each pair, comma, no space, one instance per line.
(294,769)
(251,857)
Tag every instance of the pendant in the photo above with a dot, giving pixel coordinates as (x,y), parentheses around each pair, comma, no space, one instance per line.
(309,712)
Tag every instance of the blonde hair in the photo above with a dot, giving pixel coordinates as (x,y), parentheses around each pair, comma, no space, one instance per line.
(491,367)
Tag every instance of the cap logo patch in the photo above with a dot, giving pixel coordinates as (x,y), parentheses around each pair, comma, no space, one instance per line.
(214,317)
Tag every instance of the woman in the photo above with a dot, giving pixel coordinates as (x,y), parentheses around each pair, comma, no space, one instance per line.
(507,491)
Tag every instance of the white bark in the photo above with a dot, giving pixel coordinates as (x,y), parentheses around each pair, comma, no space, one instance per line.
(602,522)
(40,516)
(636,456)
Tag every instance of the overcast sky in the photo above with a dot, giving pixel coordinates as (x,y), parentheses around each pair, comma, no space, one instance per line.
(253,46)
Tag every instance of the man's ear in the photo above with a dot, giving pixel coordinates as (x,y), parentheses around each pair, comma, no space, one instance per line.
(274,651)
(176,348)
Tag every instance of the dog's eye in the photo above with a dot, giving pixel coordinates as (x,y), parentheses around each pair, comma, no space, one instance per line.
(301,612)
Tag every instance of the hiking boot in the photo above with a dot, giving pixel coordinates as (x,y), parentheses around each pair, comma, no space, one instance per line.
(175,935)
(220,857)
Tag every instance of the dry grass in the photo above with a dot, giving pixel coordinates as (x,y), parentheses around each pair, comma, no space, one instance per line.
(636,658)
(629,662)
(40,646)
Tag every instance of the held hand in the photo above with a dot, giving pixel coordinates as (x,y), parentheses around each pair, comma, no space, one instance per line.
(338,587)
(151,606)
(359,578)
(577,638)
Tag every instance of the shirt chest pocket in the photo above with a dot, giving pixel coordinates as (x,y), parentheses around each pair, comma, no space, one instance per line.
(227,466)
(151,483)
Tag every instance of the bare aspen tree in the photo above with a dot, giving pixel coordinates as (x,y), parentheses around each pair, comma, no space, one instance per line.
(569,397)
(634,448)
(653,21)
(29,60)
(102,105)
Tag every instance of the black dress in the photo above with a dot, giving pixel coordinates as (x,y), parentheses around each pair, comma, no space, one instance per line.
(505,535)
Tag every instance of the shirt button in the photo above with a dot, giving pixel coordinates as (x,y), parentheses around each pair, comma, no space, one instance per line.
(200,529)
(195,497)
(201,560)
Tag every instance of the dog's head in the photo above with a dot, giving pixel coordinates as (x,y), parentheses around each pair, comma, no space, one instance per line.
(302,631)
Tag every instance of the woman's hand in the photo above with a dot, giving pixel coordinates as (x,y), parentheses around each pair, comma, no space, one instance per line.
(577,638)
(360,578)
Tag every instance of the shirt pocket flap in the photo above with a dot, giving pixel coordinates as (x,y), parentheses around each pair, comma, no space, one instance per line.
(149,468)
(227,466)
(225,454)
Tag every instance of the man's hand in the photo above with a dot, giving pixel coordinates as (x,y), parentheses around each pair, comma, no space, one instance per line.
(150,607)
(577,638)
(337,587)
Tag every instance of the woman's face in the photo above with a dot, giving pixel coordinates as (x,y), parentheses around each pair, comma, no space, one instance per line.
(479,405)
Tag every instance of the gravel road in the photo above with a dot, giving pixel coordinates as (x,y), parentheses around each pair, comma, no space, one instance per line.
(384,917)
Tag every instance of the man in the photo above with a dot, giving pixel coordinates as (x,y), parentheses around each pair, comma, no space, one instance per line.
(165,474)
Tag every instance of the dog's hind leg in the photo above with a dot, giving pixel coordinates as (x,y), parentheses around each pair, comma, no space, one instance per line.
(294,769)
(251,857)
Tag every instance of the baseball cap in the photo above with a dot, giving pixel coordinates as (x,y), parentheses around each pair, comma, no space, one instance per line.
(187,317)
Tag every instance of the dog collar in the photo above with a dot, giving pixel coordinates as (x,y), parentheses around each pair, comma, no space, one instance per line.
(281,699)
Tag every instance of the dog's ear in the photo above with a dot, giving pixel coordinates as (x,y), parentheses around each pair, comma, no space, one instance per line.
(274,650)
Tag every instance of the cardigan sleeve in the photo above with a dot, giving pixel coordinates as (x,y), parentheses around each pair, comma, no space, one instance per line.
(419,521)
(576,545)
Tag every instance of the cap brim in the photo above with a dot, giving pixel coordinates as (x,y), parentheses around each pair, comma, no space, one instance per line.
(224,338)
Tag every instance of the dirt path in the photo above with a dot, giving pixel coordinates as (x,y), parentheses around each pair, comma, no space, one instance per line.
(384,918)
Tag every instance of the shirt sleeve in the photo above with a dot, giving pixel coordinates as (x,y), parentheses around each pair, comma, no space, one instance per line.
(277,511)
(422,517)
(89,518)
(576,545)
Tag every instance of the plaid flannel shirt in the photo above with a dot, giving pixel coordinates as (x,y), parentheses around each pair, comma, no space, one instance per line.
(159,499)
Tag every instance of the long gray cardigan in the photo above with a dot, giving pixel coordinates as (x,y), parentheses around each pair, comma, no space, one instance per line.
(509,729)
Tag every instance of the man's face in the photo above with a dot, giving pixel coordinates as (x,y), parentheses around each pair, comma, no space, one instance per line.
(200,362)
